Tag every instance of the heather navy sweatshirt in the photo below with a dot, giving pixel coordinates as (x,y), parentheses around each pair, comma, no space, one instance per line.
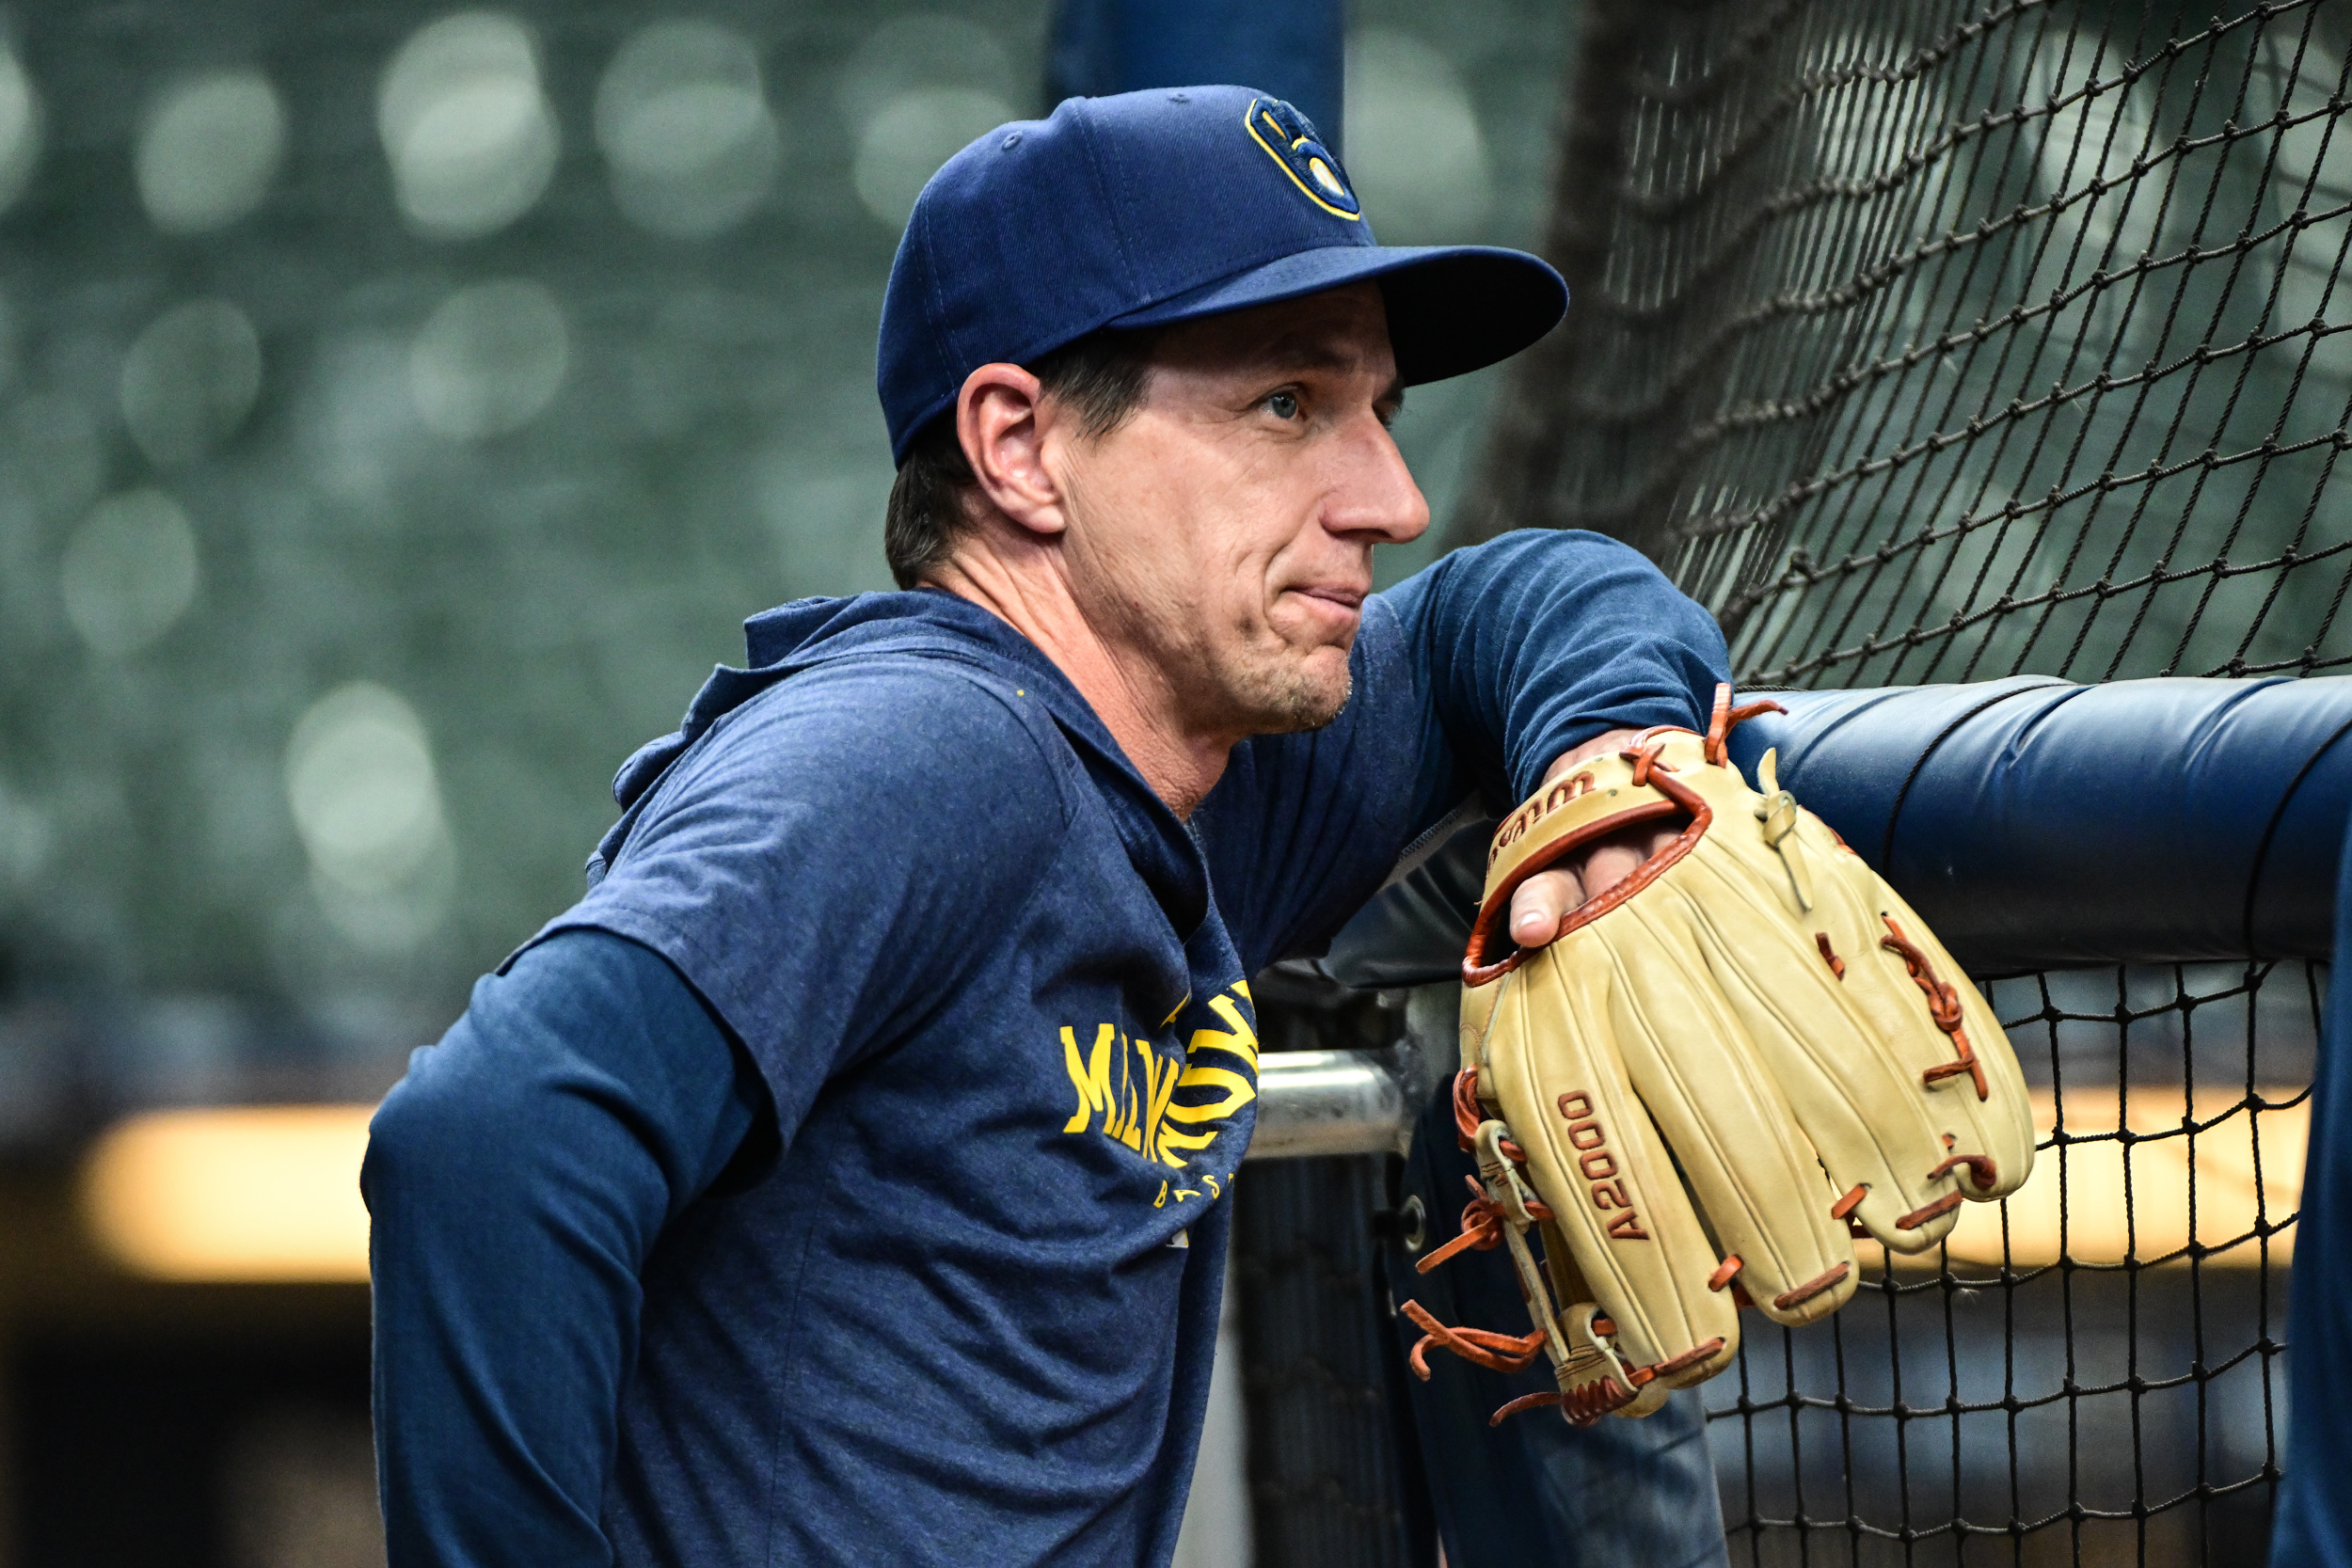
(846,1178)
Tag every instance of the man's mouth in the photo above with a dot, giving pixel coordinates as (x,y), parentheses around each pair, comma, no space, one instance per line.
(1348,599)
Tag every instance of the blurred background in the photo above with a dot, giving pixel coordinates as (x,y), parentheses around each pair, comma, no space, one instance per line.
(400,409)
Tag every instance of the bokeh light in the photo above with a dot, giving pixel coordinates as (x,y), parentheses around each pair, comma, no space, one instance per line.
(189,380)
(489,359)
(19,127)
(209,150)
(915,132)
(1414,147)
(924,49)
(915,93)
(129,572)
(360,779)
(240,1193)
(463,119)
(366,801)
(684,125)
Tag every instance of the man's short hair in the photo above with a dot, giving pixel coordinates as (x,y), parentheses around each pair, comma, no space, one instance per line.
(1101,377)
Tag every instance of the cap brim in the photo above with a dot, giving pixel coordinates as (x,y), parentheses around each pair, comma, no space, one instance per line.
(1452,309)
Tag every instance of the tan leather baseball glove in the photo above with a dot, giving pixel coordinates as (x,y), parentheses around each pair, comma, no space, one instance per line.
(1718,1073)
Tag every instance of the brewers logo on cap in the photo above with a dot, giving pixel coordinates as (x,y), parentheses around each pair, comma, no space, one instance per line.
(1289,139)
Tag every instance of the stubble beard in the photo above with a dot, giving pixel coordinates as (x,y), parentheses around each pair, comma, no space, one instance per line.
(1279,695)
(1244,688)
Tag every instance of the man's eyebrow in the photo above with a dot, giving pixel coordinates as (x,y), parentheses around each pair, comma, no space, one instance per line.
(1303,351)
(1307,352)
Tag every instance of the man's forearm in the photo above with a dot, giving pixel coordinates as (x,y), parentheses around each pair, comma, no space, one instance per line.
(517,1178)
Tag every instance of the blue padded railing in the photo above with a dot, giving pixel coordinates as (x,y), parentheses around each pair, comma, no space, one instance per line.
(2037,824)
(2033,823)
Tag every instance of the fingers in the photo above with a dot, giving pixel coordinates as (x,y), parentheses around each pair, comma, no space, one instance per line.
(1539,904)
(1612,859)
(1610,863)
(1555,1065)
(1543,899)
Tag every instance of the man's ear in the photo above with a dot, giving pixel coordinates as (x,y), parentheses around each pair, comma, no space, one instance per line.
(1002,423)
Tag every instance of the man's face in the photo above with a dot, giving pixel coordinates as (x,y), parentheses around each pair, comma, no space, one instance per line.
(1226,528)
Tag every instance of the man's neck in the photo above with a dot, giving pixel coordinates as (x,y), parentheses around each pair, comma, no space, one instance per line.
(1025,586)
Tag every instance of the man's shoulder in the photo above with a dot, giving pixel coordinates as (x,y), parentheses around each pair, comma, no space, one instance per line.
(894,718)
(886,716)
(840,776)
(886,739)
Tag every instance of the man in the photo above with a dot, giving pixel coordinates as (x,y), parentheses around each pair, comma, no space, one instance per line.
(845,1177)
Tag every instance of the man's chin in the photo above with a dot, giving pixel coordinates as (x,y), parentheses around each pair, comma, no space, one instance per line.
(1298,699)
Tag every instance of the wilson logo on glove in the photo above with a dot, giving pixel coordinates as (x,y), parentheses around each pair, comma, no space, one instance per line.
(1754,997)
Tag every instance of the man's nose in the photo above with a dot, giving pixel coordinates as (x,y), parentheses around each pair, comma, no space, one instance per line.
(1375,497)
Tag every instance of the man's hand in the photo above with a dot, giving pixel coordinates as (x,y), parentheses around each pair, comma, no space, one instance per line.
(1543,899)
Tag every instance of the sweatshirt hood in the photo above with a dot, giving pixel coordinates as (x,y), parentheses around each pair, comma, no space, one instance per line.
(791,637)
(925,622)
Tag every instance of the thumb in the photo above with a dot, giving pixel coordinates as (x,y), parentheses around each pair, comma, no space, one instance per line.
(1538,904)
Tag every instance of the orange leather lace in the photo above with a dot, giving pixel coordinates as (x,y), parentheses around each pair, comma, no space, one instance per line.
(1943,1007)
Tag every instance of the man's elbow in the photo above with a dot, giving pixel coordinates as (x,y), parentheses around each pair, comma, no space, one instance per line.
(436,1129)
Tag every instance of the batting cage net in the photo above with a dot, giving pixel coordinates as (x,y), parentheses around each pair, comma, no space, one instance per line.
(1941,343)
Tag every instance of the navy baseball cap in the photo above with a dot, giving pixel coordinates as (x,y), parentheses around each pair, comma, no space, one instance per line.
(1153,207)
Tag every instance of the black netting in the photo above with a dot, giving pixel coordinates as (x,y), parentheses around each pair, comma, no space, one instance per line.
(1938,341)
(1334,1477)
(2091,1371)
(1942,341)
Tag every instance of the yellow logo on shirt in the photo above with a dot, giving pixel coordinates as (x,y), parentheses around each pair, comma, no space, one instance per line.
(1164,1109)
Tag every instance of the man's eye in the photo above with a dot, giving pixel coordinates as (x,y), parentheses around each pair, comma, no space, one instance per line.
(1283,406)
